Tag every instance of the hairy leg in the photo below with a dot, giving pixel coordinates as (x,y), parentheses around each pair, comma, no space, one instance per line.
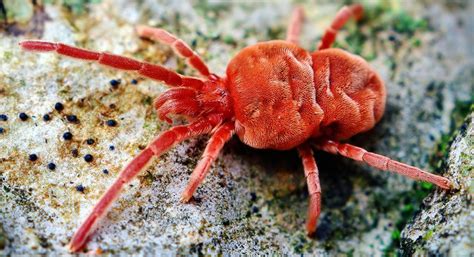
(382,162)
(156,72)
(217,141)
(179,46)
(344,14)
(158,146)
(294,28)
(312,178)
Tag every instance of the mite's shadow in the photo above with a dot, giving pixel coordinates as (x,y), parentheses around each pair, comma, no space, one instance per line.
(337,178)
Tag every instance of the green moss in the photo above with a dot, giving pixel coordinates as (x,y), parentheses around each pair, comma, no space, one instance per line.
(229,40)
(409,203)
(460,111)
(428,235)
(7,55)
(380,16)
(18,10)
(3,238)
(396,235)
(404,23)
(75,6)
(411,200)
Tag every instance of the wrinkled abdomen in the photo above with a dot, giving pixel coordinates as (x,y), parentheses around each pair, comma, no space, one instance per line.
(274,98)
(349,91)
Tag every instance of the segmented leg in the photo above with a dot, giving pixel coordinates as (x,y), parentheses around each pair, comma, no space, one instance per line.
(382,162)
(344,14)
(158,146)
(294,28)
(314,189)
(179,46)
(148,70)
(217,141)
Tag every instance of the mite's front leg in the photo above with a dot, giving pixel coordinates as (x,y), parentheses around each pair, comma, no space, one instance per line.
(158,146)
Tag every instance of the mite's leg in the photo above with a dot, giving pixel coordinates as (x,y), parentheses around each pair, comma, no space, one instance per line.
(314,189)
(294,28)
(355,10)
(158,146)
(179,46)
(217,141)
(148,70)
(382,162)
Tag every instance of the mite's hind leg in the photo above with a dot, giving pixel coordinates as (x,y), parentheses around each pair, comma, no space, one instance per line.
(314,189)
(382,162)
(344,14)
(294,28)
(178,45)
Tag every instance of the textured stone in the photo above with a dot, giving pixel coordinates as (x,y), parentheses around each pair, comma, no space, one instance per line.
(445,224)
(252,200)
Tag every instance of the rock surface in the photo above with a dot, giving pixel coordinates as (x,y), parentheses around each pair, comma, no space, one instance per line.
(445,224)
(252,201)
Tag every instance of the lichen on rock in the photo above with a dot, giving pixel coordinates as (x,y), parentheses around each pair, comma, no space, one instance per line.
(445,224)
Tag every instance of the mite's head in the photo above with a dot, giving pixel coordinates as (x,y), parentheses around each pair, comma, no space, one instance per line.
(205,97)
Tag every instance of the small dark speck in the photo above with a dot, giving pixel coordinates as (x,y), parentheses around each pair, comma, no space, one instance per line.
(67,136)
(115,83)
(105,171)
(255,209)
(88,157)
(51,166)
(59,107)
(226,223)
(80,188)
(111,123)
(392,37)
(112,106)
(2,130)
(72,118)
(111,148)
(90,141)
(253,196)
(23,116)
(33,157)
(75,152)
(134,81)
(46,117)
(3,117)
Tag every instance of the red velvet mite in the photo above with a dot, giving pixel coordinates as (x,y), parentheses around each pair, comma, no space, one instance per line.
(274,95)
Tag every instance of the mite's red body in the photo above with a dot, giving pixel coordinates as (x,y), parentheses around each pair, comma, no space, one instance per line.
(274,95)
(283,95)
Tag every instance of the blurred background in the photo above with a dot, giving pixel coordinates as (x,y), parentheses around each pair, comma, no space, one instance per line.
(253,201)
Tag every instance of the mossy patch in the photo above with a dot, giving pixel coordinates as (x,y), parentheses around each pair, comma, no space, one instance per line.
(382,16)
(411,200)
(75,6)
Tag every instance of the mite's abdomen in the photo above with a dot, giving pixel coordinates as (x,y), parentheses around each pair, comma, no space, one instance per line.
(349,91)
(274,98)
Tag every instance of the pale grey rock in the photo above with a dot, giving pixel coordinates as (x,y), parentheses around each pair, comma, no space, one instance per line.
(252,201)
